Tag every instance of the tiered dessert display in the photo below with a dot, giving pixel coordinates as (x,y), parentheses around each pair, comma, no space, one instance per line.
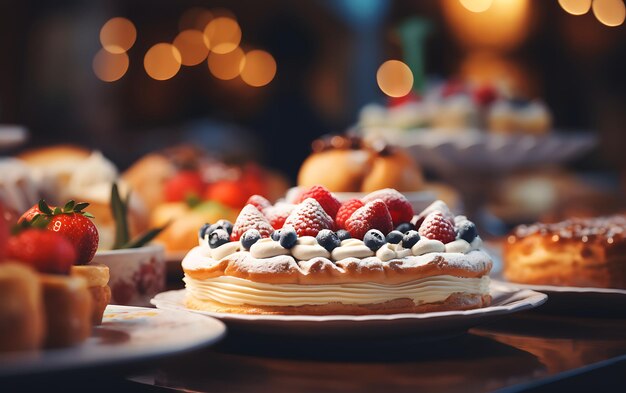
(50,296)
(579,252)
(323,257)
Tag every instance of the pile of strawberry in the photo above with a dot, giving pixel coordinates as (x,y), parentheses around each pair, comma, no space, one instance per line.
(317,211)
(51,239)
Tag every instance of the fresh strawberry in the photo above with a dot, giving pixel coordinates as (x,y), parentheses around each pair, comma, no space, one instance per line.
(329,203)
(259,202)
(308,218)
(453,87)
(46,251)
(437,227)
(277,215)
(4,233)
(374,215)
(346,210)
(397,204)
(251,218)
(228,192)
(399,101)
(437,206)
(485,94)
(183,185)
(70,221)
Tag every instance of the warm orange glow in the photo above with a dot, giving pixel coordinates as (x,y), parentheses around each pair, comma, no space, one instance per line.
(227,66)
(609,12)
(196,18)
(110,67)
(118,35)
(259,68)
(223,34)
(162,61)
(477,5)
(575,7)
(502,26)
(394,78)
(192,46)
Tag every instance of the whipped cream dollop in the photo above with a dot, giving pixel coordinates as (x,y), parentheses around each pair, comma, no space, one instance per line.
(267,248)
(351,248)
(238,291)
(307,248)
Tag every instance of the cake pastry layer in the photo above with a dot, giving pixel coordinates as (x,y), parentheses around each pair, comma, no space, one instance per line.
(580,252)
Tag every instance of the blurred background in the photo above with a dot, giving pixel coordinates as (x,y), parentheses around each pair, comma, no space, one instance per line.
(251,81)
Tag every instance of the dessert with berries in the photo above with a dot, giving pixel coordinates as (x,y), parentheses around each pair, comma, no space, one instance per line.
(49,293)
(322,257)
(579,252)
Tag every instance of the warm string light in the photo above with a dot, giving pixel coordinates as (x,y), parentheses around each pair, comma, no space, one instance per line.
(162,61)
(192,45)
(575,7)
(608,12)
(108,66)
(476,5)
(118,35)
(214,35)
(394,78)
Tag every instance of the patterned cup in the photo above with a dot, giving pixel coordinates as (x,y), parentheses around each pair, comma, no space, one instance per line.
(137,274)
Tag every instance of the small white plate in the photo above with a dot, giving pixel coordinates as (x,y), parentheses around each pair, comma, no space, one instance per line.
(506,300)
(127,334)
(579,300)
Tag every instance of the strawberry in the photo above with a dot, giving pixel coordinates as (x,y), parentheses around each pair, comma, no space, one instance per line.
(259,202)
(346,210)
(485,94)
(46,251)
(437,206)
(183,185)
(277,214)
(329,203)
(397,204)
(70,221)
(374,215)
(308,218)
(228,192)
(4,233)
(251,218)
(437,227)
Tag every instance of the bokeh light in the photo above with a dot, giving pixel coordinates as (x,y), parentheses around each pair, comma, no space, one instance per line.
(192,46)
(162,61)
(195,18)
(575,7)
(477,5)
(223,34)
(227,66)
(118,35)
(259,68)
(609,12)
(394,78)
(108,66)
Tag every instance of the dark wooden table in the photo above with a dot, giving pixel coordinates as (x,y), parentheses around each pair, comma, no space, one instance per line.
(527,352)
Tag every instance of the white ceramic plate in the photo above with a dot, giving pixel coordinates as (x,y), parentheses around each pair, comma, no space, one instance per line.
(127,334)
(506,300)
(579,300)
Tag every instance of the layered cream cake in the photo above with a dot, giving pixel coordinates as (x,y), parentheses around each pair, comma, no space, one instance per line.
(318,263)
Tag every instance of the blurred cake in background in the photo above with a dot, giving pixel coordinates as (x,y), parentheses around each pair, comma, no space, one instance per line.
(351,164)
(186,187)
(456,106)
(64,172)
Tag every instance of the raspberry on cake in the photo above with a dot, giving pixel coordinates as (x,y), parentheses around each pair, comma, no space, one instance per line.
(306,267)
